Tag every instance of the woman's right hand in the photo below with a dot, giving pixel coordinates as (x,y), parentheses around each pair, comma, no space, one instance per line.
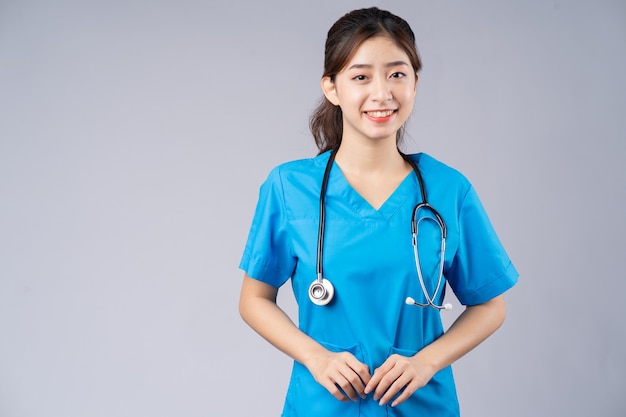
(343,375)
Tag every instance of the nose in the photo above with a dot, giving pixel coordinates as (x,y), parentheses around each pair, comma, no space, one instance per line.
(381,90)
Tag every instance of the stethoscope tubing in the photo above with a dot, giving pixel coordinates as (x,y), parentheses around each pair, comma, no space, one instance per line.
(321,290)
(322,223)
(430,301)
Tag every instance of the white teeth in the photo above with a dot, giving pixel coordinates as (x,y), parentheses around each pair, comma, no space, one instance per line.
(380,113)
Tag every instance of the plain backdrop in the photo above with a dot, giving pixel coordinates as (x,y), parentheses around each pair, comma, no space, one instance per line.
(134,136)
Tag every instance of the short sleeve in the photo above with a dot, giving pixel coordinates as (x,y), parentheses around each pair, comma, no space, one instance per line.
(267,255)
(481,269)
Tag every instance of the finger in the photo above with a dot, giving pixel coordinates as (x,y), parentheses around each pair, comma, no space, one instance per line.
(379,373)
(362,370)
(358,376)
(345,379)
(386,382)
(397,386)
(404,395)
(383,388)
(355,373)
(347,388)
(335,391)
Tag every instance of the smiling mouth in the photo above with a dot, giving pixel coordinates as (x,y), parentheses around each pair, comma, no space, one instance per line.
(385,113)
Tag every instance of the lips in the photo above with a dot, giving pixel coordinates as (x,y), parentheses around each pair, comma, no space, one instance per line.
(380,116)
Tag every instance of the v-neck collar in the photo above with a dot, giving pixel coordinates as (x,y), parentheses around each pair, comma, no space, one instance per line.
(361,206)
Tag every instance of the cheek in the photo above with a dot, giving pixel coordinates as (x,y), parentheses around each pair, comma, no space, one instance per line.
(406,96)
(352,100)
(354,94)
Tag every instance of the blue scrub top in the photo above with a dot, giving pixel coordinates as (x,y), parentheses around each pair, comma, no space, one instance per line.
(368,256)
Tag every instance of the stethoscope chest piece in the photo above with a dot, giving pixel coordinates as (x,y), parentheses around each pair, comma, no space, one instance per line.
(321,292)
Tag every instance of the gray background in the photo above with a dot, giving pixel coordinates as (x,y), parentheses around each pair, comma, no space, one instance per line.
(134,136)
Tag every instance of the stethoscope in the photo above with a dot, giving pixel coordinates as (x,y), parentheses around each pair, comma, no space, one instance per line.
(322,291)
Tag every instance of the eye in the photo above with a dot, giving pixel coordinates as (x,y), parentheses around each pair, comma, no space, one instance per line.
(398,75)
(359,78)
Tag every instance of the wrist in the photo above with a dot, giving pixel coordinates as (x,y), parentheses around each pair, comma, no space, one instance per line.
(425,359)
(311,357)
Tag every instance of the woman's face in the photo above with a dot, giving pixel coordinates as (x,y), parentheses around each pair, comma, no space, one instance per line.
(375,90)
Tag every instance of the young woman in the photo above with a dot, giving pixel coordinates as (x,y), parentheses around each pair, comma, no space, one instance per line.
(369,237)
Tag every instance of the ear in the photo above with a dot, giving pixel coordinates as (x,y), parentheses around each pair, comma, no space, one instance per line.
(417,78)
(330,90)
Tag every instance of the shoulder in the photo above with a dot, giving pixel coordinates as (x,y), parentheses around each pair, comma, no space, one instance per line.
(299,173)
(304,165)
(297,185)
(434,170)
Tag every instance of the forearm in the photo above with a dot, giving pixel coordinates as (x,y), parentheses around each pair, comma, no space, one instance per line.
(340,373)
(470,329)
(258,309)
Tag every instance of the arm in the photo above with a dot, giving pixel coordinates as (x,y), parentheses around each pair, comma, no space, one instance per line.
(470,329)
(258,308)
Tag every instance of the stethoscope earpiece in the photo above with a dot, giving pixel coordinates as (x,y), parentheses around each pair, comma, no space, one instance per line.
(321,292)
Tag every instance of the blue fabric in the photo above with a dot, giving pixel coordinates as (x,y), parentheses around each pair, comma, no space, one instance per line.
(368,256)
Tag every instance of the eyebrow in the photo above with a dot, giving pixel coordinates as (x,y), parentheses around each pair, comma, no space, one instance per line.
(388,65)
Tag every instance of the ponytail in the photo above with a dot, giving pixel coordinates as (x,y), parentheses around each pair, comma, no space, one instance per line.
(326,125)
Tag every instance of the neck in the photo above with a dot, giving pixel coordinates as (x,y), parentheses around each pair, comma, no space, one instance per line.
(370,158)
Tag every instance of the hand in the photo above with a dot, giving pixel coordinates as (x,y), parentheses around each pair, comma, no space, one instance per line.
(398,373)
(341,370)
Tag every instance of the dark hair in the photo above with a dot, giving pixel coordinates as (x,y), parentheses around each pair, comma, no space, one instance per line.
(344,38)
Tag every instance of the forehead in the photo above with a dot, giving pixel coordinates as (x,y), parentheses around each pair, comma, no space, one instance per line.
(378,49)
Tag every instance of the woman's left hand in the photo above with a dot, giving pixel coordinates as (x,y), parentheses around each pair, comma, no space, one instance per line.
(399,373)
